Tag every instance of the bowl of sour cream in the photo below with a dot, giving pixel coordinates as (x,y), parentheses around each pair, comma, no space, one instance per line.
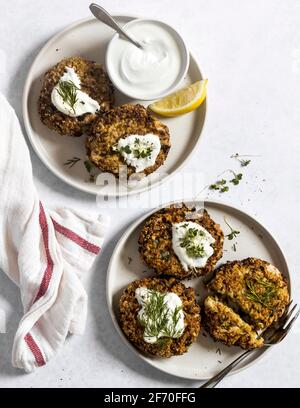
(152,71)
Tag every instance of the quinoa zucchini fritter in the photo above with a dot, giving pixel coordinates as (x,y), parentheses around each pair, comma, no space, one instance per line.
(94,82)
(155,241)
(133,329)
(118,123)
(257,288)
(226,326)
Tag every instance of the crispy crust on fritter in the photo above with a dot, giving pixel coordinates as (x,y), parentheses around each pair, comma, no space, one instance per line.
(130,325)
(155,241)
(232,281)
(94,81)
(226,326)
(118,123)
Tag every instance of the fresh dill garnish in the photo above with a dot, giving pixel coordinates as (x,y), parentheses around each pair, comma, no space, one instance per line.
(71,162)
(233,233)
(156,318)
(192,248)
(260,291)
(67,90)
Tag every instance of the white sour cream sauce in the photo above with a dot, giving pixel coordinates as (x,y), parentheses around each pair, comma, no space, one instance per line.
(84,103)
(148,72)
(149,140)
(172,302)
(205,239)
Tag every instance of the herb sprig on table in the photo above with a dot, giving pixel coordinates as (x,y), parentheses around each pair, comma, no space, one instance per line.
(233,233)
(71,162)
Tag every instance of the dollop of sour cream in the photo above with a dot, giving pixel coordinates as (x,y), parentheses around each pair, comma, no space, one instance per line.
(138,151)
(166,318)
(147,72)
(192,244)
(83,102)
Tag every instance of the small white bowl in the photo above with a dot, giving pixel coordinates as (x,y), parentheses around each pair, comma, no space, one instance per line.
(140,95)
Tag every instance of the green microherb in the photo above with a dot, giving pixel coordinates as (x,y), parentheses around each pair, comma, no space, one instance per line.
(68,92)
(138,150)
(244,162)
(233,233)
(260,291)
(155,318)
(71,162)
(193,249)
(237,178)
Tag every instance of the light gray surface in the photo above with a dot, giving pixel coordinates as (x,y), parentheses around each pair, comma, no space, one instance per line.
(250,51)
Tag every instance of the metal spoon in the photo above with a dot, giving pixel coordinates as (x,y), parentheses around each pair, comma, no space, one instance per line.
(101,14)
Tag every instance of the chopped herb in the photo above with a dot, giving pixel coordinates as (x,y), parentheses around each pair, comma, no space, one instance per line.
(67,90)
(234,247)
(260,291)
(71,162)
(88,165)
(218,351)
(129,260)
(233,233)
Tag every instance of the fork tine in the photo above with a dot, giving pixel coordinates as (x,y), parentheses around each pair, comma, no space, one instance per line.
(269,332)
(288,327)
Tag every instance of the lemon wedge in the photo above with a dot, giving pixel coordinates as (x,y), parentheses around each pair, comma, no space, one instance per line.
(182,101)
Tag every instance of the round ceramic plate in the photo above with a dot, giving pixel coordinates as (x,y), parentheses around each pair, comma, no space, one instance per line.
(205,358)
(89,38)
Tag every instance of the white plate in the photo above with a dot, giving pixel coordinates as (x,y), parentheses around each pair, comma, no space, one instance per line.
(89,38)
(203,360)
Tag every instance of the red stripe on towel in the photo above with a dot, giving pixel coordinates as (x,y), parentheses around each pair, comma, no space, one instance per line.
(35,350)
(75,238)
(49,268)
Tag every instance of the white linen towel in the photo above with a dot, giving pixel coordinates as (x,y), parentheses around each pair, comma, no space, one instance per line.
(43,252)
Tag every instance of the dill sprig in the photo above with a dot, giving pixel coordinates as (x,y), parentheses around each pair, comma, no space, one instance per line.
(68,92)
(71,162)
(260,291)
(233,233)
(155,318)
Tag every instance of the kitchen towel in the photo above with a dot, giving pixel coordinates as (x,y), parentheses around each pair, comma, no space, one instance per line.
(44,252)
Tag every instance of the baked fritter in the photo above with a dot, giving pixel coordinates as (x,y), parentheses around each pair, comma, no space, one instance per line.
(257,288)
(129,308)
(155,241)
(118,123)
(226,326)
(94,81)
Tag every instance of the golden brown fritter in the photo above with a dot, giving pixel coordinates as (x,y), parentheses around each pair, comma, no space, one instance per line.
(256,287)
(129,308)
(155,241)
(94,81)
(118,123)
(226,326)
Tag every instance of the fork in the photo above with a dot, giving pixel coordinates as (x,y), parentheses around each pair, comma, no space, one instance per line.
(273,335)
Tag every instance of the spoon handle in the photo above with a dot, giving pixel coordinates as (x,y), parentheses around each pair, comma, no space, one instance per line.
(101,14)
